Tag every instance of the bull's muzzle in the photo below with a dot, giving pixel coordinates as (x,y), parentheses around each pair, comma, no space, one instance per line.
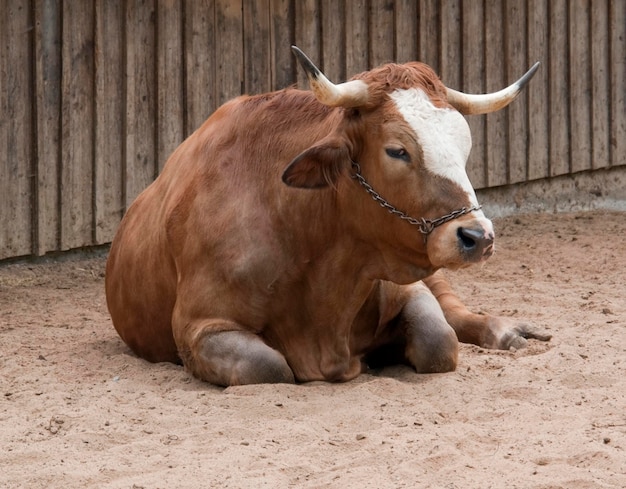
(476,243)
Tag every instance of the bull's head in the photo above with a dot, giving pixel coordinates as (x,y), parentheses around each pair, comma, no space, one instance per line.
(404,142)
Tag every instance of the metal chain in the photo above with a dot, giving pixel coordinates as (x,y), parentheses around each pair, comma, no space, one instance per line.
(424,225)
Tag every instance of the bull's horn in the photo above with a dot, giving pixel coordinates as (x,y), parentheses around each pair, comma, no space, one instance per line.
(349,94)
(483,104)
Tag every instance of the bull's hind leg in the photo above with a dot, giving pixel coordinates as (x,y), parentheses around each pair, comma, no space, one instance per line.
(223,354)
(482,330)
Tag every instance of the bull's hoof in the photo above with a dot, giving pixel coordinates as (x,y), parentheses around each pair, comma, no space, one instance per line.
(505,334)
(436,353)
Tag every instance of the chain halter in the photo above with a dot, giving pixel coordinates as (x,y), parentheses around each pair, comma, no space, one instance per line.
(424,225)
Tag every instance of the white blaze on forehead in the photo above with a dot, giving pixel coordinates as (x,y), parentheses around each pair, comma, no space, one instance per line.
(443,135)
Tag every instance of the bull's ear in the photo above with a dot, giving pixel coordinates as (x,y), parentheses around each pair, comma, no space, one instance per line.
(319,166)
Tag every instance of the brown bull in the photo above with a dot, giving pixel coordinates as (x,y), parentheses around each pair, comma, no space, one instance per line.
(261,253)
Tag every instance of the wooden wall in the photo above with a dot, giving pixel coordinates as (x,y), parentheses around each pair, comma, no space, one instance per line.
(95,94)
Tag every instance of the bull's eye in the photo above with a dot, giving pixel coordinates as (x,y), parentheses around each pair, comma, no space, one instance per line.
(398,154)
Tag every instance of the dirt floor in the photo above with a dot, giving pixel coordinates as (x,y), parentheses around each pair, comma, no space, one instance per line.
(78,410)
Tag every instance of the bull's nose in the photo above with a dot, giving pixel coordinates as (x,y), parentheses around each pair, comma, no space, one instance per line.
(476,243)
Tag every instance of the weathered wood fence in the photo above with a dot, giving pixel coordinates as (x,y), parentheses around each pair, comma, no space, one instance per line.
(95,94)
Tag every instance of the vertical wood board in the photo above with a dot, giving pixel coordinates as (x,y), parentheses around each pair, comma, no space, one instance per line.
(451,59)
(333,40)
(169,79)
(515,65)
(109,126)
(256,46)
(538,90)
(580,85)
(496,122)
(357,35)
(48,114)
(429,33)
(558,95)
(617,33)
(229,66)
(307,25)
(283,63)
(16,126)
(77,136)
(141,103)
(406,39)
(473,75)
(199,59)
(381,32)
(600,89)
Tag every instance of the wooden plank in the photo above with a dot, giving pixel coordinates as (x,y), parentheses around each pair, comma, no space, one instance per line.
(496,123)
(559,89)
(141,167)
(169,79)
(79,145)
(600,91)
(516,48)
(538,107)
(451,62)
(48,107)
(109,127)
(357,35)
(406,32)
(228,49)
(16,126)
(333,39)
(307,34)
(618,82)
(580,85)
(381,34)
(473,57)
(257,46)
(77,150)
(429,33)
(282,35)
(200,63)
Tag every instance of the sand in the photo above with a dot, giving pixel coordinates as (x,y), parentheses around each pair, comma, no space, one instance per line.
(79,410)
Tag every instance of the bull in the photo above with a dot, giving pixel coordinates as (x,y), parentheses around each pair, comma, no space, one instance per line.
(297,235)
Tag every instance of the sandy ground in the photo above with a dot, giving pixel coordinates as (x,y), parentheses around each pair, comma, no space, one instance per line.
(78,410)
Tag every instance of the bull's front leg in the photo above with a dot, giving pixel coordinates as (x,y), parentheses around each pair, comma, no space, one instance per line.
(411,330)
(430,344)
(483,330)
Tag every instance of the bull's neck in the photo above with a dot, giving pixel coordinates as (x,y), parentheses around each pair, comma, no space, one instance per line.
(323,235)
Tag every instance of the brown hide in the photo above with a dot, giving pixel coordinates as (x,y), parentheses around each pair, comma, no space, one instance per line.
(220,242)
